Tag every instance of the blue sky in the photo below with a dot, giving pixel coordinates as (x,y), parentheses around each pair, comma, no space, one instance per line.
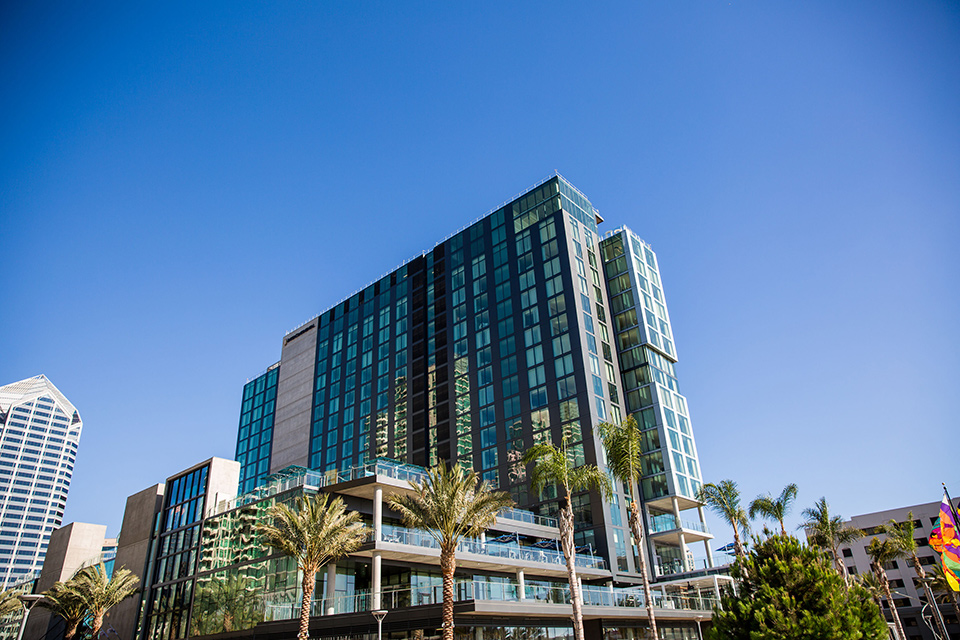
(180,185)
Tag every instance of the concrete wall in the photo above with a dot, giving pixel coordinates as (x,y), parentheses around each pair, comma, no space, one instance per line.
(291,426)
(133,547)
(223,479)
(70,548)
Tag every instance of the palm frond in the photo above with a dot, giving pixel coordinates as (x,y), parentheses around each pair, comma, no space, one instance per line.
(10,602)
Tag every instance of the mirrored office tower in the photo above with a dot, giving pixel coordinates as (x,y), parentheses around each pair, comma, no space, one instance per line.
(38,448)
(528,326)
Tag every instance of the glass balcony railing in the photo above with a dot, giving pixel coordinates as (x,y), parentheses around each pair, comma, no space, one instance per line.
(522,515)
(465,590)
(512,551)
(669,522)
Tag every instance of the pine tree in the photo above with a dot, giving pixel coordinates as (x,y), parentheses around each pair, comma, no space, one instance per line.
(787,591)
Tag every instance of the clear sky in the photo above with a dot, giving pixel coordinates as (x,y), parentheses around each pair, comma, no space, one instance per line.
(182,183)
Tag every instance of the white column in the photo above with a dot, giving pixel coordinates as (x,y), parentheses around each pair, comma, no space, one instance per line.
(706,543)
(331,588)
(376,580)
(683,541)
(716,590)
(521,585)
(378,514)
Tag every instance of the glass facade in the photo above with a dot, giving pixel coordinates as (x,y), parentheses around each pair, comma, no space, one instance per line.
(39,435)
(255,435)
(174,558)
(525,327)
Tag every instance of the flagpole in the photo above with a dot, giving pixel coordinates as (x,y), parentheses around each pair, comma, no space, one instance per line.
(956,516)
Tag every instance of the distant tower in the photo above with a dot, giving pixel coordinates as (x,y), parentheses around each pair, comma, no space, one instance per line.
(39,434)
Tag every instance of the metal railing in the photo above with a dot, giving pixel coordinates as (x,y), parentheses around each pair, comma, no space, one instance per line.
(465,590)
(512,551)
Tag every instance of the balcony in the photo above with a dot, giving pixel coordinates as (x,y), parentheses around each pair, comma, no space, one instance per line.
(396,542)
(666,527)
(495,598)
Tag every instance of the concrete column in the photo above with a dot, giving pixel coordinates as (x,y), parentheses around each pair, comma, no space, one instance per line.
(521,585)
(716,591)
(483,537)
(683,553)
(378,514)
(706,543)
(331,588)
(375,579)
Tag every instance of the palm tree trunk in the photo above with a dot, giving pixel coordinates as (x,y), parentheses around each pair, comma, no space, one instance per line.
(918,569)
(636,524)
(737,544)
(893,607)
(71,630)
(569,552)
(97,623)
(448,565)
(839,564)
(307,586)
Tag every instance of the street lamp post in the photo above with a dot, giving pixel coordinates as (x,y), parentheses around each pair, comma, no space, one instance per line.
(379,614)
(28,600)
(699,631)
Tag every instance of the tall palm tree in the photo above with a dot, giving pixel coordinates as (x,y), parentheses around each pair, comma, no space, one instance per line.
(881,552)
(775,508)
(902,535)
(828,532)
(99,593)
(723,498)
(10,602)
(556,466)
(450,504)
(941,587)
(319,530)
(64,602)
(624,454)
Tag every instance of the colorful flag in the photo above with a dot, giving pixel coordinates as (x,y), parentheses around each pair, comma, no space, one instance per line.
(936,538)
(951,544)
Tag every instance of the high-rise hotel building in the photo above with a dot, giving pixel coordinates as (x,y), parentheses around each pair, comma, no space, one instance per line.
(531,325)
(39,434)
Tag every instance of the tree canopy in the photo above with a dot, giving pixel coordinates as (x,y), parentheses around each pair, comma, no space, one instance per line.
(787,591)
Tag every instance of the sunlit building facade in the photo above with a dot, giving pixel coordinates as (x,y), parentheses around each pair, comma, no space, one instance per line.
(530,325)
(38,448)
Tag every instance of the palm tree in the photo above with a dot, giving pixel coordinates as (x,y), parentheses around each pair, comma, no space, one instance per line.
(624,454)
(450,504)
(556,466)
(828,532)
(881,552)
(872,585)
(941,587)
(901,534)
(10,602)
(319,530)
(99,593)
(775,508)
(66,603)
(723,499)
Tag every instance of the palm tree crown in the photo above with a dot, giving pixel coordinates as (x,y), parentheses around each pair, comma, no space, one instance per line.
(450,504)
(63,601)
(10,602)
(775,508)
(317,531)
(99,593)
(828,532)
(723,498)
